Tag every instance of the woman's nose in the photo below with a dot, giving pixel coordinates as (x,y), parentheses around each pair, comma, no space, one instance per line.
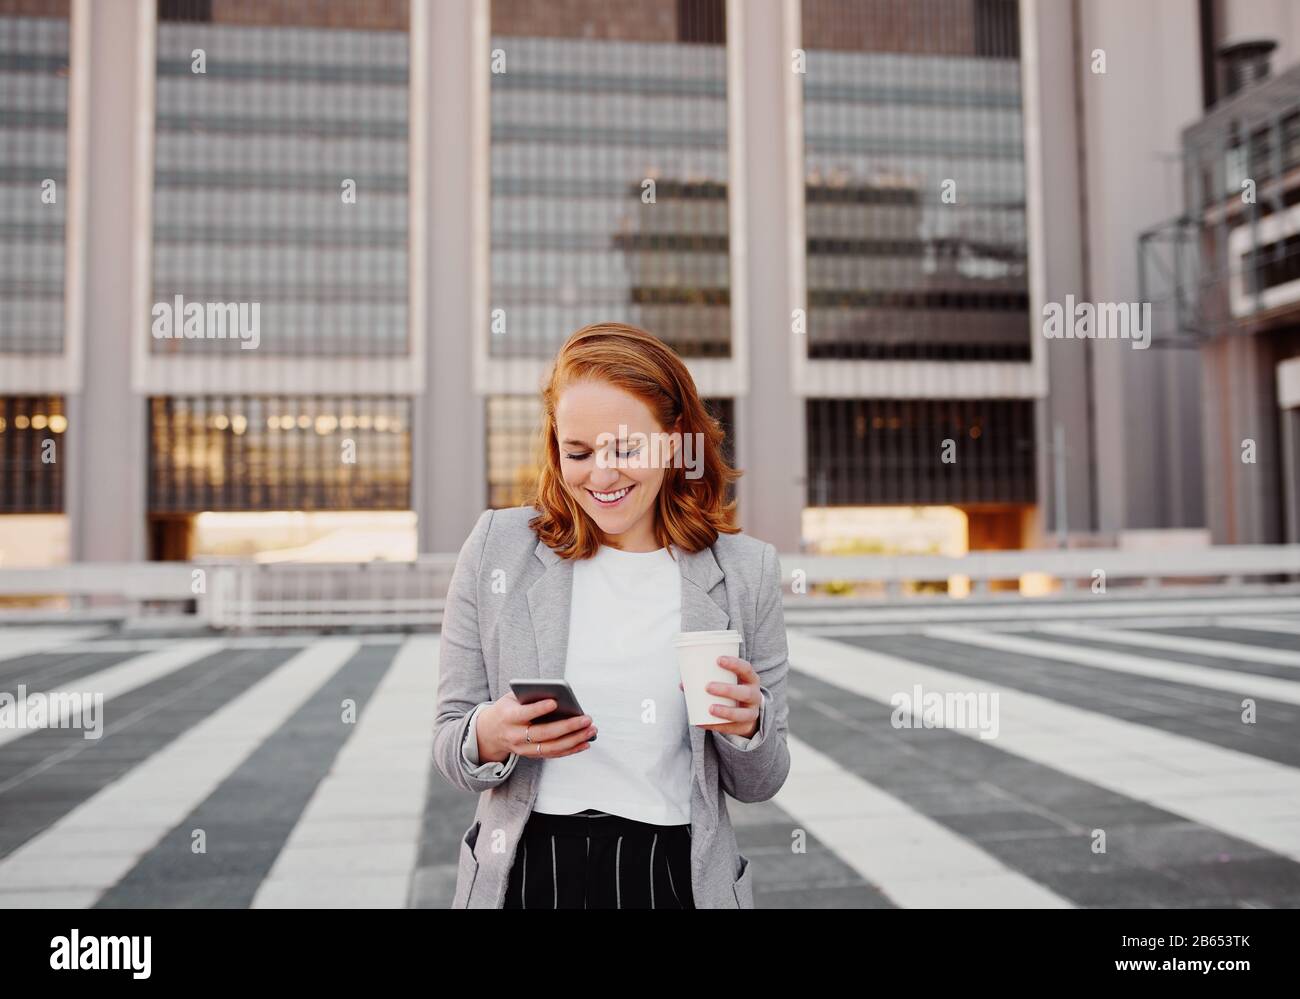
(603,477)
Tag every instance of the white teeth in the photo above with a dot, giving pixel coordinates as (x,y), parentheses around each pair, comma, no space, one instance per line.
(610,497)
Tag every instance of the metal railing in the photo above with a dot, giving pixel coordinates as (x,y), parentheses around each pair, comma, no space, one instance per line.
(322,595)
(1227,564)
(247,596)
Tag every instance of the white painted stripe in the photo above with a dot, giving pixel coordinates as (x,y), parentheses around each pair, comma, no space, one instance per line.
(152,798)
(137,646)
(47,899)
(237,642)
(122,678)
(1232,651)
(855,628)
(15,642)
(1245,796)
(915,861)
(923,610)
(1249,684)
(1281,625)
(364,818)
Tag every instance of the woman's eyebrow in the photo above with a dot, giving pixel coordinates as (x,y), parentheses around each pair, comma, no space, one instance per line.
(633,438)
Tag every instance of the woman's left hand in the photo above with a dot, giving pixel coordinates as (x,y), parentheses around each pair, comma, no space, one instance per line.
(747,695)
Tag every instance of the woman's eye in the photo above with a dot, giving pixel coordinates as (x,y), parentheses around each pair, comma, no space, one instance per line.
(588,454)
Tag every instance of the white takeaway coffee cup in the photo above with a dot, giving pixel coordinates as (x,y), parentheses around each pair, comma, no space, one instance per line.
(697,657)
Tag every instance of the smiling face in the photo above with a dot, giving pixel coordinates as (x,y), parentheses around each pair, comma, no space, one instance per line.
(616,481)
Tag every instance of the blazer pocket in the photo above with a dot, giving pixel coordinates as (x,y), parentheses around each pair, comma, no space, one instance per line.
(467,867)
(743,886)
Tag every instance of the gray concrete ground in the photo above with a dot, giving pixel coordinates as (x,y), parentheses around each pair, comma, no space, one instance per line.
(1137,761)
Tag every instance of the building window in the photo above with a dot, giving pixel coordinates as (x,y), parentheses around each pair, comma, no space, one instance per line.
(226,453)
(997,28)
(33,174)
(609,173)
(914,174)
(185,10)
(281,172)
(920,451)
(702,21)
(512,428)
(32,455)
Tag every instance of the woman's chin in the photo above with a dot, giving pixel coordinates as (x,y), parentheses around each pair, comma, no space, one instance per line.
(610,525)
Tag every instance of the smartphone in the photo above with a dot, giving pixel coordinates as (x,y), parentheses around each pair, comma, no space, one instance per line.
(532,691)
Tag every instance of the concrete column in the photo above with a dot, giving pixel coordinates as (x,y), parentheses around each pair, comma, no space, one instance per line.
(770,420)
(106,444)
(1053,174)
(1134,113)
(449,462)
(1241,404)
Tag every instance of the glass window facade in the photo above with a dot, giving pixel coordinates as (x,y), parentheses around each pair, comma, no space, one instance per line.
(512,422)
(609,173)
(893,451)
(33,432)
(33,174)
(916,244)
(915,189)
(281,172)
(295,452)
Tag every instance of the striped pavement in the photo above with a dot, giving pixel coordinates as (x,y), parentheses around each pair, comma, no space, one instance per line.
(1135,762)
(25,641)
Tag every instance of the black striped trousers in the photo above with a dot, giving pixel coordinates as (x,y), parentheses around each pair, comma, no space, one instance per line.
(594,860)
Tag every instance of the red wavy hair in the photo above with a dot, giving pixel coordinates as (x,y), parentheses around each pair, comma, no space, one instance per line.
(689,513)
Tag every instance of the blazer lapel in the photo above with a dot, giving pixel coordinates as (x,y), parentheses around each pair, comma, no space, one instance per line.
(549,601)
(549,605)
(703,609)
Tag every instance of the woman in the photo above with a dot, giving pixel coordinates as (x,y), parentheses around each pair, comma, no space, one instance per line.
(628,540)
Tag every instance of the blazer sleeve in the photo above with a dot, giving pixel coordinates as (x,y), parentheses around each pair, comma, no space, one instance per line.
(462,675)
(756,771)
(469,751)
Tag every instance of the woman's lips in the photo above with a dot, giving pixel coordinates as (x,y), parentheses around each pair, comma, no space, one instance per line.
(625,490)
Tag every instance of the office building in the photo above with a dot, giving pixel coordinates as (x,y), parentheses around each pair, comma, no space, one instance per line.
(847,216)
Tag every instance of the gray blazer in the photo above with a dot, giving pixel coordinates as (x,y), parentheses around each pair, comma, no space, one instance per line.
(507,617)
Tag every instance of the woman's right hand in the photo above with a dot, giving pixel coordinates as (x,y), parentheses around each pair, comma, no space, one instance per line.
(501,728)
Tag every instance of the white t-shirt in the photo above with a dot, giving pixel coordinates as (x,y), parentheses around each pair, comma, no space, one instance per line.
(622,665)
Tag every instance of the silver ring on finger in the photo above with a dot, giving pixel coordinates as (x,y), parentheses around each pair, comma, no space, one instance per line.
(528,733)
